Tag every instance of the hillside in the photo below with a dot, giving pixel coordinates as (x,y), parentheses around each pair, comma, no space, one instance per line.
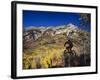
(44,47)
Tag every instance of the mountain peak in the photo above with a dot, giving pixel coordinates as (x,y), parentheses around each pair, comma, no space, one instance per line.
(70,25)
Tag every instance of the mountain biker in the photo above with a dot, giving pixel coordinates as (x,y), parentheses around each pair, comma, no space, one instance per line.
(68,44)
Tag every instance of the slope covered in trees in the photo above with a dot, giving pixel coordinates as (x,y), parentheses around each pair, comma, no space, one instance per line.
(44,47)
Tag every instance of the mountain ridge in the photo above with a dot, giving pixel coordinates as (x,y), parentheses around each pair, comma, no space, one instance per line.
(45,46)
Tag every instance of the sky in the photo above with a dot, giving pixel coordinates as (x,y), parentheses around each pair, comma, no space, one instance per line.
(47,18)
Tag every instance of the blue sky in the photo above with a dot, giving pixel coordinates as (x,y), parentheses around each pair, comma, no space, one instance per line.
(44,18)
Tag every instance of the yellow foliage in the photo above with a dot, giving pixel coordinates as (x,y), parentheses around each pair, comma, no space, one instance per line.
(33,64)
(47,53)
